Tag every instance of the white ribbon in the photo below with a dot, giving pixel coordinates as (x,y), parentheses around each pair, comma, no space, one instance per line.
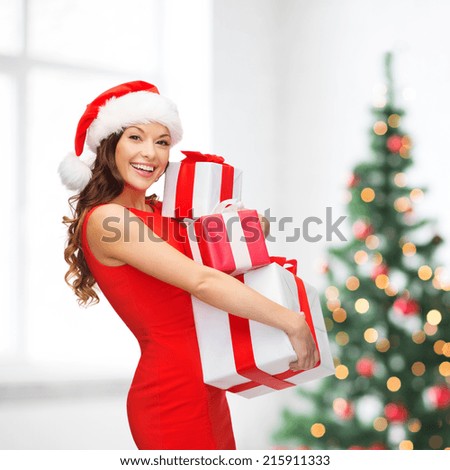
(229,205)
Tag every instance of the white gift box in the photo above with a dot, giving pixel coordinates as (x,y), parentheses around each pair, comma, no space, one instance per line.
(225,352)
(197,184)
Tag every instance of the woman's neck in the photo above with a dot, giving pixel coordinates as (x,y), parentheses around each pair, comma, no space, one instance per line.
(132,198)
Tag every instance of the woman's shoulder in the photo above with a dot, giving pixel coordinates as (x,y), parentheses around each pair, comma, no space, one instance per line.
(102,224)
(99,218)
(105,210)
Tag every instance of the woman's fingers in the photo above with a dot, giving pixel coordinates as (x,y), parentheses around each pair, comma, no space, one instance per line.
(305,348)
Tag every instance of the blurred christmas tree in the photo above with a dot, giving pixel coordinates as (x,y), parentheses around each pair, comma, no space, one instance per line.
(387,315)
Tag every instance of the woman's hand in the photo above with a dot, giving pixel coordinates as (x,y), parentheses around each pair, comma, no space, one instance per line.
(304,346)
(265,225)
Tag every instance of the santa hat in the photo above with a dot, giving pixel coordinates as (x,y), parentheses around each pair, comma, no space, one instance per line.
(135,102)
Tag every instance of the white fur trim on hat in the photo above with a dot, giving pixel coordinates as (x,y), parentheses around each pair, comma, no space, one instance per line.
(133,108)
(75,172)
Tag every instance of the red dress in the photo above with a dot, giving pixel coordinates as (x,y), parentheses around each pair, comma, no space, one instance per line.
(169,406)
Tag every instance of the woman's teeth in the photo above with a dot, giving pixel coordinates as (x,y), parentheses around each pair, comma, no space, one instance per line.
(139,166)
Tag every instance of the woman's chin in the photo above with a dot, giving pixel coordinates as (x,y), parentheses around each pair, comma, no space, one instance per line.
(138,185)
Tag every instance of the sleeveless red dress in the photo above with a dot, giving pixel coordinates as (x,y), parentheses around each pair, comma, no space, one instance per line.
(168,405)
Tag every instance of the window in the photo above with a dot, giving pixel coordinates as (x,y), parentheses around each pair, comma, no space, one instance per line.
(55,57)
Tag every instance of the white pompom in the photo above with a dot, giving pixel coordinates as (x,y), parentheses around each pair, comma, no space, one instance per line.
(75,173)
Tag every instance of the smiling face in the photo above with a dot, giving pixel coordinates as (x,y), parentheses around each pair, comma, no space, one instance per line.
(142,154)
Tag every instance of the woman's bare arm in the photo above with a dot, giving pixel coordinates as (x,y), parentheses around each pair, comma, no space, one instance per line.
(120,235)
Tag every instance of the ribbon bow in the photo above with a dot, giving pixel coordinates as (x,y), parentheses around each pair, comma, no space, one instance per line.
(229,205)
(288,264)
(201,157)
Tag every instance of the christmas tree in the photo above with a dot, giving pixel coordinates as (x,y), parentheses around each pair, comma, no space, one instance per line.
(387,314)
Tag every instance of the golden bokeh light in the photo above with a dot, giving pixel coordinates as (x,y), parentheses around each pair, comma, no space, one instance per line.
(340,405)
(416,194)
(380,128)
(383,345)
(332,292)
(414,425)
(367,194)
(400,180)
(380,424)
(438,346)
(352,283)
(342,338)
(430,330)
(404,152)
(406,445)
(419,337)
(435,442)
(394,120)
(377,259)
(444,368)
(361,257)
(362,305)
(339,315)
(393,384)
(391,290)
(406,142)
(409,249)
(382,281)
(439,271)
(402,204)
(372,242)
(434,317)
(406,146)
(318,430)
(341,372)
(371,335)
(425,272)
(333,304)
(446,350)
(436,283)
(418,368)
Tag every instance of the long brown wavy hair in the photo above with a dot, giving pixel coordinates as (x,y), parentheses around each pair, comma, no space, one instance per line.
(106,184)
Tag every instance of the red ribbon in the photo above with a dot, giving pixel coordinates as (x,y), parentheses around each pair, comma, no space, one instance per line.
(254,237)
(288,264)
(243,351)
(214,244)
(186,177)
(202,157)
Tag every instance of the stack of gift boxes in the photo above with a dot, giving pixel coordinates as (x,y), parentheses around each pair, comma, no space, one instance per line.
(239,355)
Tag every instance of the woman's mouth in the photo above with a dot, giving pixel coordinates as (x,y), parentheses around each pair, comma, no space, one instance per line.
(143,169)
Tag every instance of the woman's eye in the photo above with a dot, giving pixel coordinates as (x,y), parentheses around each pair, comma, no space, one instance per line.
(163,142)
(134,137)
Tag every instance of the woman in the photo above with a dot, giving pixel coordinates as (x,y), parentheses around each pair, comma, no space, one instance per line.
(118,240)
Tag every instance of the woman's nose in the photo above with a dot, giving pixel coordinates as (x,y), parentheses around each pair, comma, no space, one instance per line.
(148,149)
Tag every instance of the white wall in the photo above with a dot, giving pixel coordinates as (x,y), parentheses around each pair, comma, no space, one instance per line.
(293,83)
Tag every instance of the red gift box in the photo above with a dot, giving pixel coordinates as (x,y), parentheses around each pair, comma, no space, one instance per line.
(232,241)
(194,186)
